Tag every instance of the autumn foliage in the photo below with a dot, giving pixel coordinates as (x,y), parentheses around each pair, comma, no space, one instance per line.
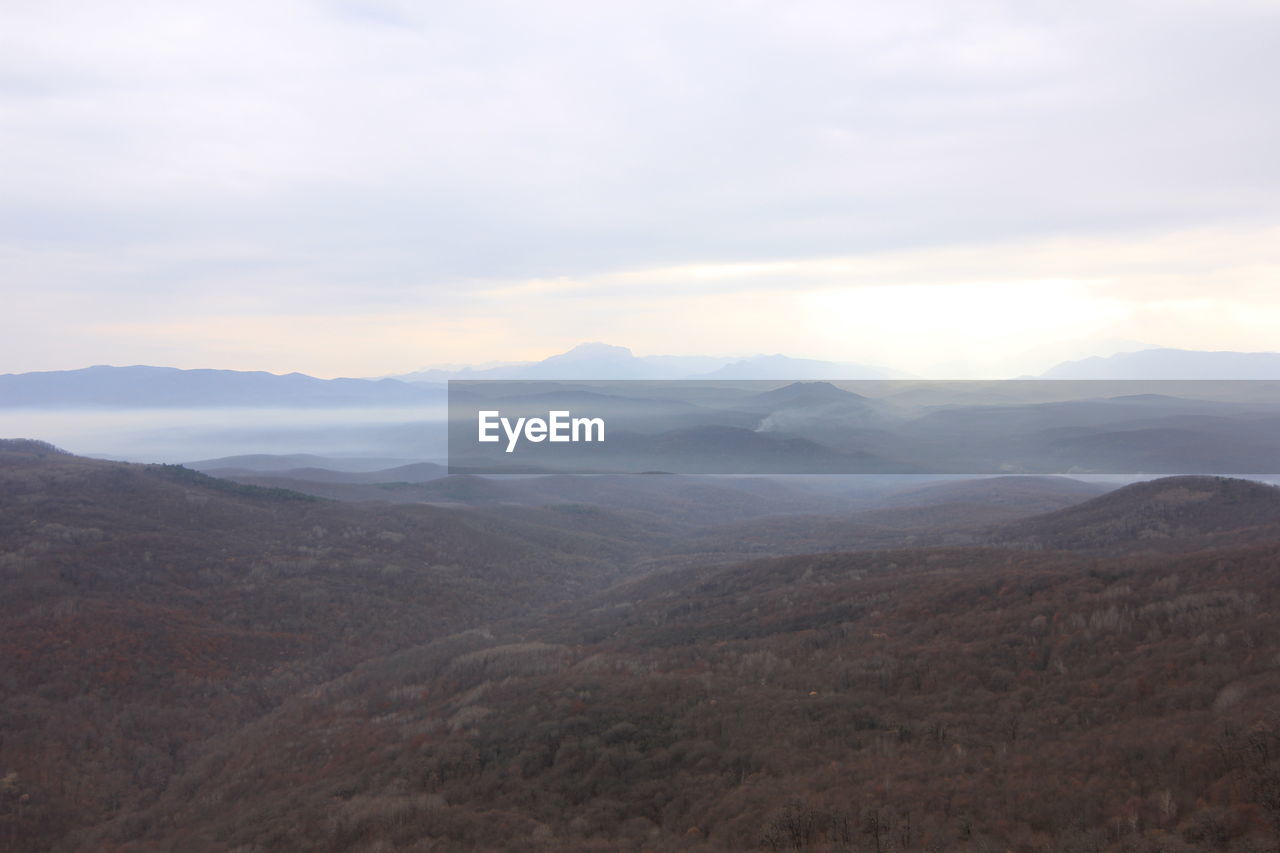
(188,666)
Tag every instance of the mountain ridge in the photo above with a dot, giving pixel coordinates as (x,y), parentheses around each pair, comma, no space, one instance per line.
(141,386)
(1171,363)
(596,360)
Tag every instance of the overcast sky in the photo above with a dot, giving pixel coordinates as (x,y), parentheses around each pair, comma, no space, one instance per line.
(363,188)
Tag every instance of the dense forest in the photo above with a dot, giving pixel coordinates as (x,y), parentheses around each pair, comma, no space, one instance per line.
(189,663)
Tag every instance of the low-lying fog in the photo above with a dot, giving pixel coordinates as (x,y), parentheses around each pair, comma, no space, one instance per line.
(180,435)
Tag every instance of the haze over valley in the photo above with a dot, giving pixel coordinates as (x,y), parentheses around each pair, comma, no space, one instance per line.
(311,635)
(155,414)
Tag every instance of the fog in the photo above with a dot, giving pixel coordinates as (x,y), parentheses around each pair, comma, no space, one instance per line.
(184,435)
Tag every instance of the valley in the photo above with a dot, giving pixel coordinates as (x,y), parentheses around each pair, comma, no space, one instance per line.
(402,659)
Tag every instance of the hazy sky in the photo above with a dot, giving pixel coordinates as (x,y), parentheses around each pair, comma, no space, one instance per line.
(348,188)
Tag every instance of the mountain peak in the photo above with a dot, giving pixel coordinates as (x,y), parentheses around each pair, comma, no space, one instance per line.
(810,391)
(594,350)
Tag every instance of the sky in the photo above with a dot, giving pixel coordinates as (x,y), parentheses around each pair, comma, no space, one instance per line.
(368,188)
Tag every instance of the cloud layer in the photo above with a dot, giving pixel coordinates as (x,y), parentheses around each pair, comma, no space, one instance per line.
(367,187)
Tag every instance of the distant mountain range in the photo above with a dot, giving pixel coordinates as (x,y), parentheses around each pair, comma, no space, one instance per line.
(142,387)
(1171,364)
(605,361)
(146,386)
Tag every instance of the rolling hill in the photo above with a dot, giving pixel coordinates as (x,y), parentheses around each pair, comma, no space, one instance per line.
(149,608)
(1028,494)
(197,664)
(1171,513)
(942,698)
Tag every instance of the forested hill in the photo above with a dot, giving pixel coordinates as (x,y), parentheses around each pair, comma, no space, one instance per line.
(1171,513)
(147,608)
(193,664)
(932,699)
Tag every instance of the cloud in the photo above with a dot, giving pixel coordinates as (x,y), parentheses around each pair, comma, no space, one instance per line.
(246,160)
(988,310)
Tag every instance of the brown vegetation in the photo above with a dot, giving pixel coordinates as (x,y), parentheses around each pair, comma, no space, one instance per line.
(189,666)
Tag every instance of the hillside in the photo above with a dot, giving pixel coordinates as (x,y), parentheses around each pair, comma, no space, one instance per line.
(894,700)
(1027,494)
(690,499)
(455,490)
(949,512)
(1171,513)
(417,472)
(150,608)
(190,663)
